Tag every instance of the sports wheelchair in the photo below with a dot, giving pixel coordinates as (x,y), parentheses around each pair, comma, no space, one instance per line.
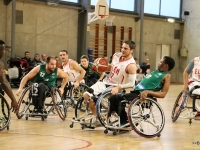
(71,95)
(4,112)
(53,102)
(84,116)
(184,106)
(145,117)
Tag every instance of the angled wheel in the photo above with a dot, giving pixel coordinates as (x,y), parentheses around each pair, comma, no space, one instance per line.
(146,118)
(178,106)
(24,102)
(82,111)
(59,103)
(4,113)
(102,106)
(78,92)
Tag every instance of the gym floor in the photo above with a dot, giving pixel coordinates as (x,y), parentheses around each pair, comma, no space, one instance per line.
(53,133)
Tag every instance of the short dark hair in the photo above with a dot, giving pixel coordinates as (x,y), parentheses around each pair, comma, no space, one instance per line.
(84,57)
(26,52)
(170,61)
(2,42)
(64,51)
(49,58)
(130,43)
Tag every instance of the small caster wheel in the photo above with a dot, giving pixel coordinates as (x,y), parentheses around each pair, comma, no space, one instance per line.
(159,135)
(114,133)
(190,122)
(42,118)
(7,127)
(26,118)
(106,131)
(82,127)
(71,126)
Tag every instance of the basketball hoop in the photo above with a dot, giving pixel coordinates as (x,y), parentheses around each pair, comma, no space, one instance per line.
(109,19)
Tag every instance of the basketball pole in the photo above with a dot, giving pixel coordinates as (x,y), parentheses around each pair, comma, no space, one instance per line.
(141,30)
(13,28)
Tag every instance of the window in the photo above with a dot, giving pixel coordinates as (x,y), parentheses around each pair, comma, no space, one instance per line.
(74,1)
(93,2)
(152,7)
(123,4)
(170,8)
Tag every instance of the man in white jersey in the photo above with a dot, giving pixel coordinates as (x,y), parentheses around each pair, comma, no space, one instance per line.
(193,69)
(75,72)
(122,73)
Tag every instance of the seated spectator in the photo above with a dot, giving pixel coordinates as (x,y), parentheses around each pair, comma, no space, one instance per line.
(139,76)
(44,58)
(27,57)
(36,61)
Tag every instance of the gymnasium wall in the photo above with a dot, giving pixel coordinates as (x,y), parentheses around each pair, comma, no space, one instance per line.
(38,18)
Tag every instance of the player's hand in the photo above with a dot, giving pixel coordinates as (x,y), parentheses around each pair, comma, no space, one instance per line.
(143,95)
(115,90)
(76,84)
(18,92)
(14,106)
(61,90)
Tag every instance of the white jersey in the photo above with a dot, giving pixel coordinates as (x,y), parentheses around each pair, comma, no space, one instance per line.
(73,74)
(118,74)
(196,70)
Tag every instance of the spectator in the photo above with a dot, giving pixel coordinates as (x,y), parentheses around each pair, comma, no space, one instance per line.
(44,58)
(27,57)
(36,61)
(139,76)
(57,63)
(144,66)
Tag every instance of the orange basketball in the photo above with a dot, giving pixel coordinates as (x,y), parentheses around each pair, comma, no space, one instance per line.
(100,65)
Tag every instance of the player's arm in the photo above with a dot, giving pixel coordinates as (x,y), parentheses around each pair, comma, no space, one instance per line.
(131,70)
(158,94)
(27,77)
(64,76)
(102,76)
(78,68)
(186,73)
(6,87)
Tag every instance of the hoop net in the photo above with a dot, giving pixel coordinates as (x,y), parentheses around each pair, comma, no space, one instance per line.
(109,19)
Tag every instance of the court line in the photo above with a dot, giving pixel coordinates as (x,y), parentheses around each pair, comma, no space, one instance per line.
(88,142)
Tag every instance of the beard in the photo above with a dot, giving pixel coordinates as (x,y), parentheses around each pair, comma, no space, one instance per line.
(50,70)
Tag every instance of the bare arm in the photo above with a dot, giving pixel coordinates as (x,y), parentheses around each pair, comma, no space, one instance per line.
(5,84)
(29,76)
(78,68)
(186,76)
(64,76)
(102,75)
(159,94)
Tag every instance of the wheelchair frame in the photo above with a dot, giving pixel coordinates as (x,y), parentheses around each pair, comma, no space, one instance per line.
(4,113)
(71,95)
(181,106)
(140,114)
(84,120)
(55,103)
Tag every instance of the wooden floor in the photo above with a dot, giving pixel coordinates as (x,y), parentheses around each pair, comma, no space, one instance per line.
(55,134)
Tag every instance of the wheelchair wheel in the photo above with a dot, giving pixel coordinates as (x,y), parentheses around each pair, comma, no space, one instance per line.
(78,92)
(24,102)
(59,103)
(4,113)
(178,106)
(102,106)
(146,118)
(80,109)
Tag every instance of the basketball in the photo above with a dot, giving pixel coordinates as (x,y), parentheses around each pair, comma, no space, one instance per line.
(100,65)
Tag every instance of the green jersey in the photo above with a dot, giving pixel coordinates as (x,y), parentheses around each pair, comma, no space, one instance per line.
(90,73)
(47,78)
(152,82)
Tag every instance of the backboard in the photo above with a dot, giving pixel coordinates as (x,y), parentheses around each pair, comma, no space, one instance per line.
(101,11)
